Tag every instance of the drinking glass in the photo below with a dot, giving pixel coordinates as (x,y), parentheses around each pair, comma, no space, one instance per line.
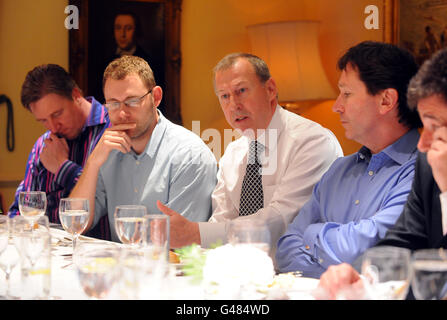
(243,231)
(429,274)
(32,204)
(9,255)
(387,273)
(132,269)
(74,216)
(153,270)
(130,224)
(97,265)
(33,242)
(157,233)
(4,234)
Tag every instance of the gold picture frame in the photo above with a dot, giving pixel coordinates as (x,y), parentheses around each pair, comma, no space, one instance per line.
(420,26)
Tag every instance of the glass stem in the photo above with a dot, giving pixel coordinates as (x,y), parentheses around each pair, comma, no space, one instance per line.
(8,284)
(75,240)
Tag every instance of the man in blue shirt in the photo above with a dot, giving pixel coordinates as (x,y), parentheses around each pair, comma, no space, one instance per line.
(144,157)
(361,196)
(423,222)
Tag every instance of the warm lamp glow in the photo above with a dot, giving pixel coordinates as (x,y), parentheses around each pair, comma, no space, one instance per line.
(290,49)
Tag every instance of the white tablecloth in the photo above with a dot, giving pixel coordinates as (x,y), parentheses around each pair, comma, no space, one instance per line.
(65,282)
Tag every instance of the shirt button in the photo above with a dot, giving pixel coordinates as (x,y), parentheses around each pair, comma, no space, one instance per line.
(135,190)
(371,173)
(307,247)
(138,162)
(357,201)
(321,260)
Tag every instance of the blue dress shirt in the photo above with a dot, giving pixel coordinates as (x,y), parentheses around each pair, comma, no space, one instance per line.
(357,200)
(176,168)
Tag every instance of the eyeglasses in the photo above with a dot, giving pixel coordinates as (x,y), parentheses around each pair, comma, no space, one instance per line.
(131,102)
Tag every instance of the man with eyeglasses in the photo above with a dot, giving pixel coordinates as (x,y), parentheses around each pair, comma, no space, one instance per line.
(74,123)
(143,157)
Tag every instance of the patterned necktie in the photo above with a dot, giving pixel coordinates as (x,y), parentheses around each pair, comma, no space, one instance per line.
(252,196)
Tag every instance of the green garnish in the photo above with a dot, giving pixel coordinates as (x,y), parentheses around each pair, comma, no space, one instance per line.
(193,258)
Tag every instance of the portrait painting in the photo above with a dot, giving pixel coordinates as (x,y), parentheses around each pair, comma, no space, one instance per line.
(145,28)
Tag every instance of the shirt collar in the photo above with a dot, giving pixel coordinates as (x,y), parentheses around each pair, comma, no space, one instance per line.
(269,138)
(400,151)
(156,136)
(98,113)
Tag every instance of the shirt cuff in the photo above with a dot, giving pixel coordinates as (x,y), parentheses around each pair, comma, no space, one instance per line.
(211,233)
(310,238)
(443,199)
(68,174)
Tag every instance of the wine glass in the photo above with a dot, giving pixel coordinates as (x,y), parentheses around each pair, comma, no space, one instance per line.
(98,266)
(130,224)
(9,255)
(429,274)
(252,232)
(387,272)
(33,242)
(74,216)
(31,239)
(4,234)
(32,204)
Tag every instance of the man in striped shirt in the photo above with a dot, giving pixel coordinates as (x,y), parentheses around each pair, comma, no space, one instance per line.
(75,124)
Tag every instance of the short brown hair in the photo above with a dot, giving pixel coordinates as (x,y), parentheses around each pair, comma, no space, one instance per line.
(430,80)
(261,69)
(46,79)
(121,67)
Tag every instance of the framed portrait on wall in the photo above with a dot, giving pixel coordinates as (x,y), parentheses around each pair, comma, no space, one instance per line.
(109,29)
(420,26)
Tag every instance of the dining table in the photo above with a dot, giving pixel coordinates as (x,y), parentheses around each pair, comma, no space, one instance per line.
(65,284)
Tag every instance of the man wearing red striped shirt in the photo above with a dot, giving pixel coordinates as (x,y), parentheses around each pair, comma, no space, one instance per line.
(75,124)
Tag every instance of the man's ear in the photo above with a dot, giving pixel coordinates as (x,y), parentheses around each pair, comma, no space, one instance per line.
(76,94)
(270,85)
(389,100)
(157,94)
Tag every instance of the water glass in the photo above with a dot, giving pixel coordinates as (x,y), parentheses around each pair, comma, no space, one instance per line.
(132,271)
(429,274)
(74,216)
(33,241)
(387,273)
(243,231)
(157,233)
(5,250)
(98,268)
(155,269)
(130,224)
(4,233)
(32,204)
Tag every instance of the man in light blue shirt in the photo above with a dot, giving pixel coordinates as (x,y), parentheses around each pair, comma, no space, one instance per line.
(144,157)
(361,195)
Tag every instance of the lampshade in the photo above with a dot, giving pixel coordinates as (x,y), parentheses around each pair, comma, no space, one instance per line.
(290,49)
